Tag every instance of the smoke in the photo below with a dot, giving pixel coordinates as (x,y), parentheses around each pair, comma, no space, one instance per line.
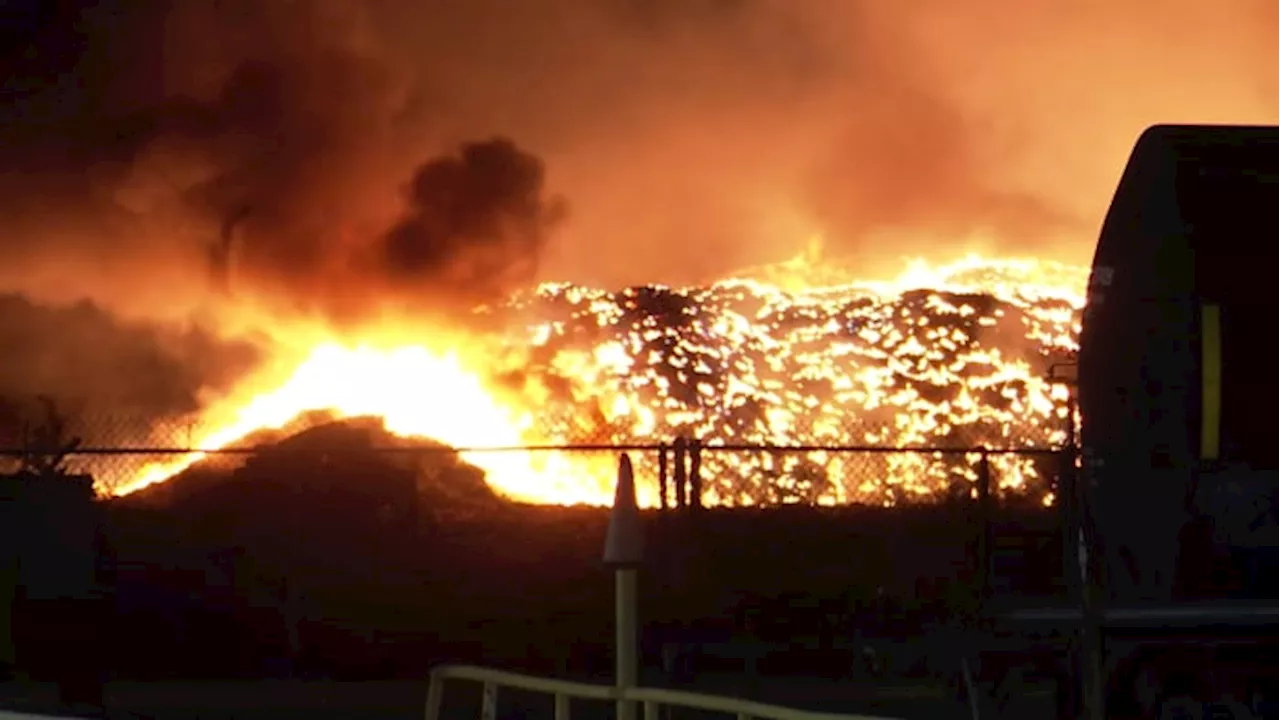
(115,382)
(267,146)
(333,158)
(476,226)
(245,147)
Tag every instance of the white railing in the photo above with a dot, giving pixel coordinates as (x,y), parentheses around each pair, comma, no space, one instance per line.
(563,691)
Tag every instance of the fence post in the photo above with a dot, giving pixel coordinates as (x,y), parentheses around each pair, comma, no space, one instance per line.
(679,476)
(985,518)
(663,481)
(695,474)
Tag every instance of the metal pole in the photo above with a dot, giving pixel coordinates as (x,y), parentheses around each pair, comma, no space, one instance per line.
(626,621)
(663,477)
(985,517)
(695,474)
(1091,567)
(680,475)
(1093,658)
(1069,514)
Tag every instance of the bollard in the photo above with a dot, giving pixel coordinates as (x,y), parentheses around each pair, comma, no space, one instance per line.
(623,551)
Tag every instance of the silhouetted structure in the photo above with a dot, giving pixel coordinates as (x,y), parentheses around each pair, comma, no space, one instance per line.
(55,539)
(333,552)
(11,513)
(684,455)
(1178,355)
(1177,391)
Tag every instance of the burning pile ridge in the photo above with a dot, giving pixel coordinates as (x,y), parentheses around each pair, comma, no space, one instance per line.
(782,386)
(960,364)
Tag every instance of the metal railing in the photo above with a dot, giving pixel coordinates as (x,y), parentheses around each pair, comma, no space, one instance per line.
(652,700)
(15,715)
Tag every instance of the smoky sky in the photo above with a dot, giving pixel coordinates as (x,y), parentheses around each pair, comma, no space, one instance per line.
(247,147)
(330,156)
(202,168)
(115,382)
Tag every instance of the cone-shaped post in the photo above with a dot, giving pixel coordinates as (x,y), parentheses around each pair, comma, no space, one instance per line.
(624,543)
(623,550)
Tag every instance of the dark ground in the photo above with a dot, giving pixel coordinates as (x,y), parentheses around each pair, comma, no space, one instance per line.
(500,606)
(195,583)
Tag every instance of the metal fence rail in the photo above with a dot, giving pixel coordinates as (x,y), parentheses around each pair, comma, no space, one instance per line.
(862,458)
(652,700)
(671,474)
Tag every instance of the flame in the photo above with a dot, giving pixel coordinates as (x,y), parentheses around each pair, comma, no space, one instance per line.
(418,394)
(781,355)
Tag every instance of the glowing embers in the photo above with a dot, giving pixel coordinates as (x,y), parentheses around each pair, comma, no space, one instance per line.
(741,362)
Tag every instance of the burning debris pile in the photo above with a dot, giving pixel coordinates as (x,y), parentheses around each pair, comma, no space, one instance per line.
(331,184)
(786,389)
(958,364)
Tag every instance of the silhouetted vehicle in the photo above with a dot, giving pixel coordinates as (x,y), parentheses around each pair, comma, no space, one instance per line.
(1175,505)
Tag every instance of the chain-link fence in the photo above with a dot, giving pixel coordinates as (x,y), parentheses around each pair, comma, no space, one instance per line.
(837,475)
(681,471)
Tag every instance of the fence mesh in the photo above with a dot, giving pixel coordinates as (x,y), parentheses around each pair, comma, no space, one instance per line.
(123,454)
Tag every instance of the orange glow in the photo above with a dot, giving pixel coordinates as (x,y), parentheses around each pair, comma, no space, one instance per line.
(446,391)
(418,394)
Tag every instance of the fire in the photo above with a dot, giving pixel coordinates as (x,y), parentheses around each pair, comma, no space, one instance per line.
(418,394)
(797,354)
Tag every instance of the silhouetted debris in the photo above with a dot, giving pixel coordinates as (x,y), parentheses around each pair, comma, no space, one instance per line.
(340,550)
(355,454)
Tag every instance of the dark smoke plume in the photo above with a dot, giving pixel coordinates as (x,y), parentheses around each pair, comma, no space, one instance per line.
(116,382)
(171,158)
(476,226)
(692,136)
(266,141)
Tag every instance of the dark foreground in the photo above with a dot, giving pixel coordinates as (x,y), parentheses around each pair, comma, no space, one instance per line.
(389,700)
